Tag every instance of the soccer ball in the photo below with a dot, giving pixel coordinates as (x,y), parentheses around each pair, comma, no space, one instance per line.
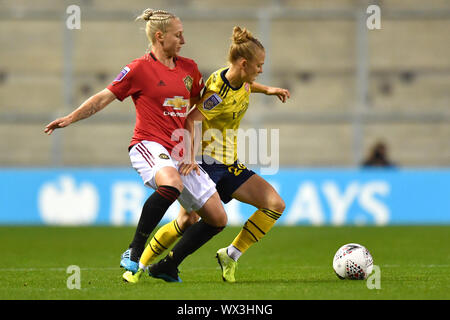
(353,261)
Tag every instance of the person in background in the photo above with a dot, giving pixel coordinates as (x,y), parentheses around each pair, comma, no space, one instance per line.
(378,156)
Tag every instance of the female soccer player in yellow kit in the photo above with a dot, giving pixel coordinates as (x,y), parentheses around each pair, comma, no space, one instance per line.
(223,105)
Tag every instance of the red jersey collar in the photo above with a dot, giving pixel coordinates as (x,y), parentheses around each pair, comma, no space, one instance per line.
(154,58)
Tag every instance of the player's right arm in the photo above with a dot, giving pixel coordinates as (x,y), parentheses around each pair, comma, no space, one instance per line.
(91,106)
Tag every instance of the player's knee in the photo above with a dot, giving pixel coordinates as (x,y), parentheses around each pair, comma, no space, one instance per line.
(222,222)
(281,205)
(176,183)
(277,204)
(169,177)
(213,212)
(219,220)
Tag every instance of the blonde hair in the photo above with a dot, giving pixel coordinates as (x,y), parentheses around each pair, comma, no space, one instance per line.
(157,20)
(243,45)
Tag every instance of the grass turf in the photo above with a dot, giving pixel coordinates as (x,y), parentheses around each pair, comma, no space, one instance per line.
(290,263)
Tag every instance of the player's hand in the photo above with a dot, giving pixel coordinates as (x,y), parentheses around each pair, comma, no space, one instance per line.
(186,168)
(282,94)
(58,123)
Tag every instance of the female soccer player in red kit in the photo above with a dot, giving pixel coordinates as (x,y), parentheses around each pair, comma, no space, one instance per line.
(162,85)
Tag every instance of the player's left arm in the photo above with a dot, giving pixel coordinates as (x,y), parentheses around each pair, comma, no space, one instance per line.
(282,94)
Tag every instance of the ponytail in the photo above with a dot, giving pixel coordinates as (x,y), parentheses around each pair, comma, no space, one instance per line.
(243,45)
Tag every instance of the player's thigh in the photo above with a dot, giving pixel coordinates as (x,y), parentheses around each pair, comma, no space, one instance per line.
(259,193)
(169,176)
(155,166)
(213,212)
(198,189)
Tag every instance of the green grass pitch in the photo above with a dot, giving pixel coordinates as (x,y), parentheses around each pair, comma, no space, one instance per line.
(290,263)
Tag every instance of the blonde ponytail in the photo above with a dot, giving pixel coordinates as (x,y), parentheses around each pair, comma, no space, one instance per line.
(243,45)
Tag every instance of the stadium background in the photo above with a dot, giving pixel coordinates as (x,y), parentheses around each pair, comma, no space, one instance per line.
(350,87)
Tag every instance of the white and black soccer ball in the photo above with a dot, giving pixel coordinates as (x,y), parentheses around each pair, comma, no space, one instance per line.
(353,261)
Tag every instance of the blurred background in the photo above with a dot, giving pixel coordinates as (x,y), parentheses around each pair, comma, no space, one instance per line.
(354,91)
(351,87)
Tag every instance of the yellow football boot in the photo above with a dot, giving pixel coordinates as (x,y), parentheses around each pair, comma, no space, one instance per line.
(128,276)
(227,265)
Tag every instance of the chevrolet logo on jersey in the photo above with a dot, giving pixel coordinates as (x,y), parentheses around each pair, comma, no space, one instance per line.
(177,102)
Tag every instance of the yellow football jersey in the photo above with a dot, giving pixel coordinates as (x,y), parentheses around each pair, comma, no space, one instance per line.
(223,107)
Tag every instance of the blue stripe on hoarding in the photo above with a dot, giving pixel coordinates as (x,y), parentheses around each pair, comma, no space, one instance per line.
(114,196)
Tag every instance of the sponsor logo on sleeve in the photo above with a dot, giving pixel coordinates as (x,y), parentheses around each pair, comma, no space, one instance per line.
(213,101)
(122,74)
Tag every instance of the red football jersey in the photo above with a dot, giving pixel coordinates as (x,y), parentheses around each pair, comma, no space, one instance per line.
(161,96)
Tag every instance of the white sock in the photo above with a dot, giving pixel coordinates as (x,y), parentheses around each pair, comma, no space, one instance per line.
(141,266)
(233,252)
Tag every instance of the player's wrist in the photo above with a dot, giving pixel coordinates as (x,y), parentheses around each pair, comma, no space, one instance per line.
(71,118)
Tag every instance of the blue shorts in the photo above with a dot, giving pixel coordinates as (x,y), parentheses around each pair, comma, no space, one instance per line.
(227,177)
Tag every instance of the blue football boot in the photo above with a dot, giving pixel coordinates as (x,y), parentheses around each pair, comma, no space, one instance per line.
(126,262)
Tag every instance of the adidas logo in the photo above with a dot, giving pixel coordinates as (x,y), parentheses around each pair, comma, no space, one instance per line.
(161,83)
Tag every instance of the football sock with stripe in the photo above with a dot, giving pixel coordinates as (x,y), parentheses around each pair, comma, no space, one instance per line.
(152,212)
(193,238)
(161,241)
(253,230)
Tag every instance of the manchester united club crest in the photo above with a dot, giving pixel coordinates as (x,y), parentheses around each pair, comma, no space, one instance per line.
(188,82)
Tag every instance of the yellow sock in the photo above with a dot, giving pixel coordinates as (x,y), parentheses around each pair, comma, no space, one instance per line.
(162,240)
(255,228)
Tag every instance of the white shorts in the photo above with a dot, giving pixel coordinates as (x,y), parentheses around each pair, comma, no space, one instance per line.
(148,157)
